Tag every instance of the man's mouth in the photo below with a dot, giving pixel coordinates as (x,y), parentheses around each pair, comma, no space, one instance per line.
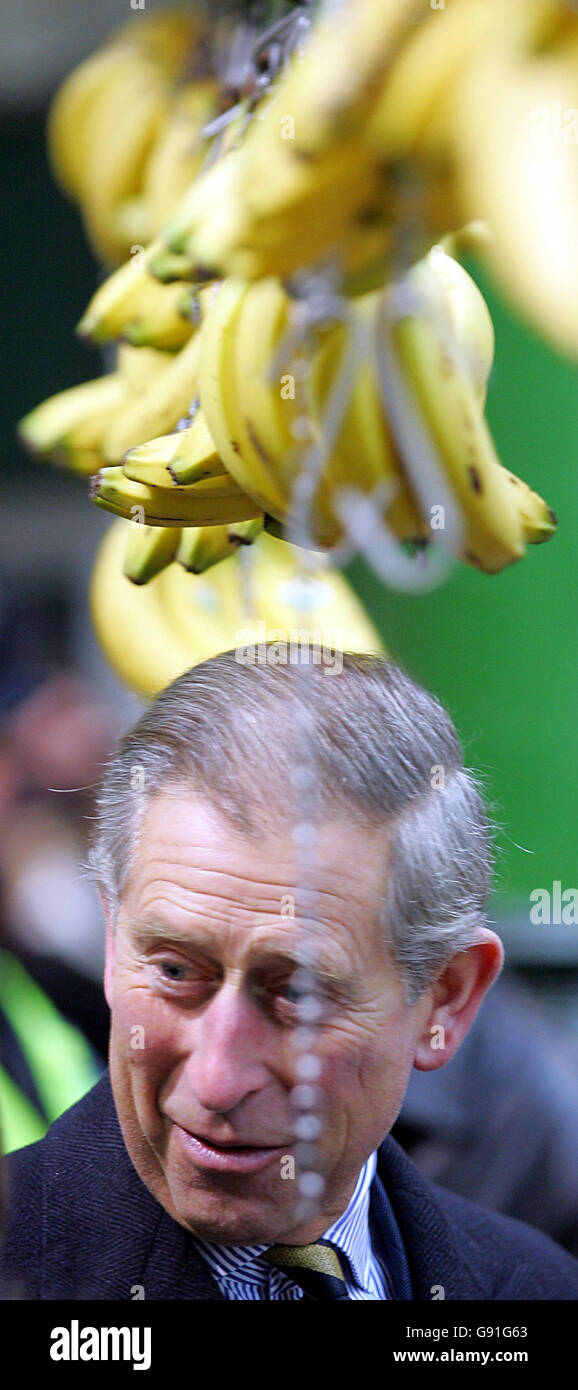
(227,1156)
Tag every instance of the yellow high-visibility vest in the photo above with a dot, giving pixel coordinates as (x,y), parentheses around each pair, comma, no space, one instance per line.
(60,1060)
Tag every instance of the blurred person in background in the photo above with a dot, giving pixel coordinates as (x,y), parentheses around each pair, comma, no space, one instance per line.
(53,1027)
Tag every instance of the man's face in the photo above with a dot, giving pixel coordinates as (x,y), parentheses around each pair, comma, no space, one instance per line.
(203,1056)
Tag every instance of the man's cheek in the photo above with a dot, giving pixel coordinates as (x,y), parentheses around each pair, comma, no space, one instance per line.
(142,1026)
(367,1069)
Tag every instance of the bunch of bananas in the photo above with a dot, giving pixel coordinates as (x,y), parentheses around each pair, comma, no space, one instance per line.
(394,122)
(151,635)
(125,131)
(210,437)
(290,326)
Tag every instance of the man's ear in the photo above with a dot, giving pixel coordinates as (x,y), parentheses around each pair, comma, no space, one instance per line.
(456,996)
(109,949)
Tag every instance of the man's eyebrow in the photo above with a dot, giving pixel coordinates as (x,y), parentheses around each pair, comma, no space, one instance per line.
(150,930)
(325,969)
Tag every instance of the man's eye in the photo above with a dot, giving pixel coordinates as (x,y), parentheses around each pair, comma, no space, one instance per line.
(171,970)
(289,992)
(310,1007)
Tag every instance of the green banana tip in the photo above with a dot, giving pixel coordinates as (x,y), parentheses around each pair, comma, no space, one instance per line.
(137,579)
(546,530)
(29,433)
(87,330)
(159,270)
(25,432)
(134,335)
(174,237)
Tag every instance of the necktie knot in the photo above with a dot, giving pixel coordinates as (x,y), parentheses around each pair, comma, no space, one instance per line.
(316,1268)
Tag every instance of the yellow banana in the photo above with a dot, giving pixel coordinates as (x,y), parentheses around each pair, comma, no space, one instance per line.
(162,320)
(72,107)
(246,532)
(270,408)
(139,367)
(216,351)
(69,427)
(185,456)
(131,222)
(133,625)
(444,396)
(360,451)
(305,188)
(169,37)
(167,266)
(104,118)
(242,453)
(180,150)
(122,130)
(118,300)
(211,203)
(157,475)
(157,452)
(160,506)
(157,413)
(434,53)
(173,163)
(207,609)
(149,549)
(363,454)
(321,214)
(318,607)
(537,519)
(261,416)
(152,634)
(517,170)
(195,456)
(470,317)
(204,546)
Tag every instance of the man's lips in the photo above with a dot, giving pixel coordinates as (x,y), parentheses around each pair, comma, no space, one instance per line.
(227,1156)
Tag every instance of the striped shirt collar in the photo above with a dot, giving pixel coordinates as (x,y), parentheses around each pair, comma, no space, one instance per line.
(350,1234)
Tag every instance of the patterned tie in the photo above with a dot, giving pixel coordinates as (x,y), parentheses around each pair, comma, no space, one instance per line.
(314,1268)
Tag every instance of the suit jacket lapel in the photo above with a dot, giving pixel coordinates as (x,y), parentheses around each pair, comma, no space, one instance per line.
(436,1260)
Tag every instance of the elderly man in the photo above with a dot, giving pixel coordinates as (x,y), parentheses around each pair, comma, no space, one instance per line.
(293,865)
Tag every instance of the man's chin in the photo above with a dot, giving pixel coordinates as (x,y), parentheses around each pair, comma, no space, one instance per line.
(234,1223)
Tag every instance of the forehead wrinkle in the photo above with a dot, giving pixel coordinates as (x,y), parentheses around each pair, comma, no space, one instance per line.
(206,899)
(171,861)
(237,846)
(311,891)
(226,914)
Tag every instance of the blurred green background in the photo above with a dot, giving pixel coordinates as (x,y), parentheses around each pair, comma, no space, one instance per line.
(500,651)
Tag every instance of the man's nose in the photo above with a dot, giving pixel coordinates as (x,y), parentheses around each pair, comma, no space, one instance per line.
(232,1050)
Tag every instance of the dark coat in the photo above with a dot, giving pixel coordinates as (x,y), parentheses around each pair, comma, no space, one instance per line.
(498,1124)
(81,1225)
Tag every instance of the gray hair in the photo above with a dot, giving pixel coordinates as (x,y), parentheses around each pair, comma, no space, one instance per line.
(383,752)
